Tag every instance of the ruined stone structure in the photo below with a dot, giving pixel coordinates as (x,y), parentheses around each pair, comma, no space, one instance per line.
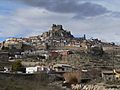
(57,32)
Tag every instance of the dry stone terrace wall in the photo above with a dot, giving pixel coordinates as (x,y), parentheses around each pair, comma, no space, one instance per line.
(92,87)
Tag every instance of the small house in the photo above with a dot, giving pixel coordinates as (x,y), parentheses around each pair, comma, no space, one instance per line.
(32,69)
(54,54)
(65,52)
(62,68)
(36,69)
(108,75)
(4,56)
(7,69)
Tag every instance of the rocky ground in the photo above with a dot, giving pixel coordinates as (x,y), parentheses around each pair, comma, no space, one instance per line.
(92,87)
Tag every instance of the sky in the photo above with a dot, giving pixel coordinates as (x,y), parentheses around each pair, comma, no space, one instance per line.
(95,18)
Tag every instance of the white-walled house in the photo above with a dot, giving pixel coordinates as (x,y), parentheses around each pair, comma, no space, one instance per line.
(36,69)
(7,69)
(32,69)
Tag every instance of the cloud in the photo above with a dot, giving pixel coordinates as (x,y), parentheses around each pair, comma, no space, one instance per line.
(78,7)
(62,6)
(33,21)
(37,17)
(82,9)
(29,21)
(90,10)
(115,14)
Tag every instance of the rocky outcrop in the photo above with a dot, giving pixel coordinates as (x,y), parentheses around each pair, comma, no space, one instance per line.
(57,32)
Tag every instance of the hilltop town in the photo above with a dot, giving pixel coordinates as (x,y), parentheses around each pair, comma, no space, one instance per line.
(57,52)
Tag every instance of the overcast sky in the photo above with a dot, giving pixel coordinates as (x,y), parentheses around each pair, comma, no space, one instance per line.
(95,18)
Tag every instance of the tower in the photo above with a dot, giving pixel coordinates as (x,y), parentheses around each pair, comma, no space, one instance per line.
(84,37)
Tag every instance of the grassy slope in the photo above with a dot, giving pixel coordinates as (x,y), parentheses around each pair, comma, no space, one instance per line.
(18,82)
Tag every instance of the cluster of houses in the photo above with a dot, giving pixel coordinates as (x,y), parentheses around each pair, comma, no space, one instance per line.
(56,38)
(62,43)
(60,68)
(56,68)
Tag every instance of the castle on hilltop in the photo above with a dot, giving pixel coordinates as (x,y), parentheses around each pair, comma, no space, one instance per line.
(56,37)
(57,27)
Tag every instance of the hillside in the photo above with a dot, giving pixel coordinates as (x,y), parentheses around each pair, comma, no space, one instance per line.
(25,82)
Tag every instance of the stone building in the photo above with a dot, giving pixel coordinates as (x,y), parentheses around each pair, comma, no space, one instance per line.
(3,56)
